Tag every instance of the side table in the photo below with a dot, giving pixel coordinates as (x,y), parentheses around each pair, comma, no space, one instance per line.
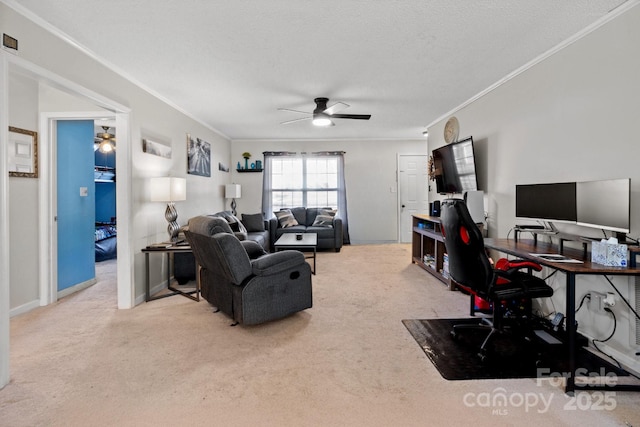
(169,250)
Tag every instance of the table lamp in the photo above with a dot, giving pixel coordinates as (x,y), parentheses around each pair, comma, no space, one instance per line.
(169,189)
(233,192)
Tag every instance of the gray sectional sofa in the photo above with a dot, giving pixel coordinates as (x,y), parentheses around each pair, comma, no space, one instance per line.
(307,220)
(248,227)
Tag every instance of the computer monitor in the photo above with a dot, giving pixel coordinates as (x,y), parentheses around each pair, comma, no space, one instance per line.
(604,204)
(547,202)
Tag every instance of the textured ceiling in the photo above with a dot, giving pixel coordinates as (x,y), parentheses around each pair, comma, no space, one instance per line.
(232,64)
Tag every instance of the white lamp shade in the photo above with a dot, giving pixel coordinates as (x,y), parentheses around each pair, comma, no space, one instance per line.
(232,191)
(168,189)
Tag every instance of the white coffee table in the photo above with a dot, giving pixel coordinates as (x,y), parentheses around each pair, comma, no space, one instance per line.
(309,241)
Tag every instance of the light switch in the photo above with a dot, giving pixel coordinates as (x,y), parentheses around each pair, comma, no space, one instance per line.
(84,191)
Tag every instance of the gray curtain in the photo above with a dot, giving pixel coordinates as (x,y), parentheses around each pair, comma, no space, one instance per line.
(342,192)
(267,210)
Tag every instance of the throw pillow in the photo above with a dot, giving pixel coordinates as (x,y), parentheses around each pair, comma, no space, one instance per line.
(325,218)
(253,222)
(240,225)
(285,218)
(233,221)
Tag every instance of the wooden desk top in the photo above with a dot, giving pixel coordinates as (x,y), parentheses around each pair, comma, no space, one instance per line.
(524,249)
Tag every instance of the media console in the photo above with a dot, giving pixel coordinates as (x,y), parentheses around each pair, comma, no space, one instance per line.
(427,247)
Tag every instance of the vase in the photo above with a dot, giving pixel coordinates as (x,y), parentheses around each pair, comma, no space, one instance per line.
(246,163)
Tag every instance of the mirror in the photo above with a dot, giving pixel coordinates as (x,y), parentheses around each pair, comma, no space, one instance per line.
(23,153)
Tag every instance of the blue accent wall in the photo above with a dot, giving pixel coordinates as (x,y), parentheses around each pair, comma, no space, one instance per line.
(105,191)
(76,214)
(105,201)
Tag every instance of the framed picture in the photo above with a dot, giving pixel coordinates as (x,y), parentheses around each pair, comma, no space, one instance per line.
(198,156)
(23,153)
(156,148)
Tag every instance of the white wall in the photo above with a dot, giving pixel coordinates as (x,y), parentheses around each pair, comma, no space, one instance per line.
(23,201)
(571,117)
(150,118)
(370,175)
(371,165)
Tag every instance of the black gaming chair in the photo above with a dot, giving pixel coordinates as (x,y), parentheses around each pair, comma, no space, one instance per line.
(508,289)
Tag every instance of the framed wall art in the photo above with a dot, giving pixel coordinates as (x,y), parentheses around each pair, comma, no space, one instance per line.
(23,153)
(198,156)
(156,148)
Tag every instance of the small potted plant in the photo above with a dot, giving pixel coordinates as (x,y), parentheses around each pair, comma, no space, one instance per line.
(247,156)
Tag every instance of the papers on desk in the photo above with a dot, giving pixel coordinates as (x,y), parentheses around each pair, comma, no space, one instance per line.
(160,245)
(556,258)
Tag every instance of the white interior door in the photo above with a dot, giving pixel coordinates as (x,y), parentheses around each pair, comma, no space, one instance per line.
(413,191)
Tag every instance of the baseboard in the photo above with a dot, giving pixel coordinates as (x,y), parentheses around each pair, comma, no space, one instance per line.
(24,308)
(75,288)
(628,361)
(372,242)
(153,290)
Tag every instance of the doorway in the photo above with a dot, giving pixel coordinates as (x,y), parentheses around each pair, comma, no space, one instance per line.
(121,114)
(413,191)
(49,209)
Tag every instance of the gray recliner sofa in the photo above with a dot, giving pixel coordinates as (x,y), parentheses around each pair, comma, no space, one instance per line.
(252,227)
(242,280)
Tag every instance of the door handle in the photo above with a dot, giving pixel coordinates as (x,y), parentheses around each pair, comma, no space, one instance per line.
(403,206)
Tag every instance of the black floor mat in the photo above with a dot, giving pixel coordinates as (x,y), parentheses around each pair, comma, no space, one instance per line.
(457,359)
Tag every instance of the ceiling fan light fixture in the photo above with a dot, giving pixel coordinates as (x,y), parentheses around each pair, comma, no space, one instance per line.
(106,146)
(106,141)
(321,119)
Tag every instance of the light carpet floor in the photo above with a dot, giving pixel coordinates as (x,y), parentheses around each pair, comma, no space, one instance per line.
(348,361)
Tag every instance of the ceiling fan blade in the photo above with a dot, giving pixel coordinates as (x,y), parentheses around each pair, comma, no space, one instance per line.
(294,111)
(351,116)
(295,120)
(338,106)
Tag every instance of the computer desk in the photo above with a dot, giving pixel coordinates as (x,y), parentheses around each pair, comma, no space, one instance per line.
(523,249)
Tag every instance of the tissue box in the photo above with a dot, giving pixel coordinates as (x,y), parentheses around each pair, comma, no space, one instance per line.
(611,254)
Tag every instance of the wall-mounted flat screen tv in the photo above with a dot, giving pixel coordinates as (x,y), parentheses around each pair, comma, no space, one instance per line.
(455,167)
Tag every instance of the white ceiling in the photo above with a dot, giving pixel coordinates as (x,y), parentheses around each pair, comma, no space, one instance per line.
(231,64)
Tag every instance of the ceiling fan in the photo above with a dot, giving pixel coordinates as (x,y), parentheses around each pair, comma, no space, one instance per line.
(323,115)
(105,141)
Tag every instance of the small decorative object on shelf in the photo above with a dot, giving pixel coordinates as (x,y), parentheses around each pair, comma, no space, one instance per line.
(239,166)
(246,156)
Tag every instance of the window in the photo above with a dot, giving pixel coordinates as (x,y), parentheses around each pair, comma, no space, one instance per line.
(314,181)
(304,181)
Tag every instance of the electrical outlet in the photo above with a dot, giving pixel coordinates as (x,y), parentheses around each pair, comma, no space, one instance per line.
(596,302)
(610,300)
